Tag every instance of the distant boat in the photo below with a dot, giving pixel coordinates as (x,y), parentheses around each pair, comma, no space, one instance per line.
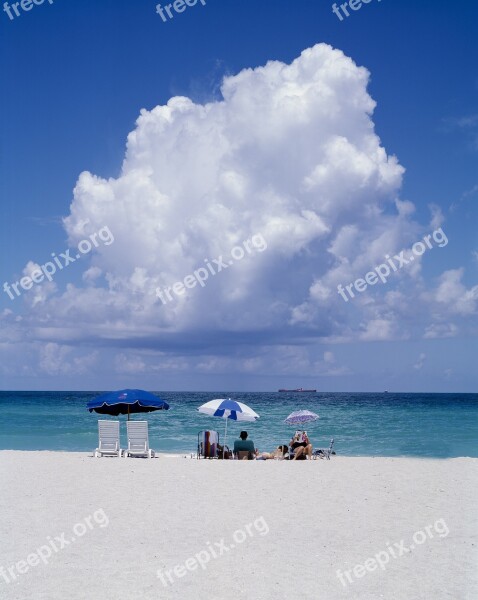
(297,390)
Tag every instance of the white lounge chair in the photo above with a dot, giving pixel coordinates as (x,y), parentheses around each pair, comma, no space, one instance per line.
(138,443)
(109,439)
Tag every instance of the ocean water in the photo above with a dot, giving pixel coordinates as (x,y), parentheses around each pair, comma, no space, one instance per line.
(363,424)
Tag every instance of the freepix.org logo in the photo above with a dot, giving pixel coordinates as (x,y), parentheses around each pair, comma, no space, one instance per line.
(213,552)
(214,266)
(179,6)
(44,553)
(48,269)
(382,272)
(26,5)
(382,558)
(352,4)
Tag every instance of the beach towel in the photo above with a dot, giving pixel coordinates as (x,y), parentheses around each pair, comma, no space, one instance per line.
(210,443)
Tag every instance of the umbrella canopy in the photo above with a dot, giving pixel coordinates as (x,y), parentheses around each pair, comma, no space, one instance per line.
(226,408)
(299,417)
(125,402)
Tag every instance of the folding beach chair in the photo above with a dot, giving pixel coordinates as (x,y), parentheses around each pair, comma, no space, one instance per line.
(324,452)
(109,439)
(138,442)
(208,442)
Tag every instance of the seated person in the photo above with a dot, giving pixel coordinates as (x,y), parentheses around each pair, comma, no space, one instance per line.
(244,445)
(301,445)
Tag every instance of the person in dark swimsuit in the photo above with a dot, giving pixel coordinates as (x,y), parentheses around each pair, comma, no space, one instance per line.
(301,445)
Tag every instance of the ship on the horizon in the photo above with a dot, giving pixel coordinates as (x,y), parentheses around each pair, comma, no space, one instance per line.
(297,390)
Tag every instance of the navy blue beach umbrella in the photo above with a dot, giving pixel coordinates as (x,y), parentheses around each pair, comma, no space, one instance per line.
(126,402)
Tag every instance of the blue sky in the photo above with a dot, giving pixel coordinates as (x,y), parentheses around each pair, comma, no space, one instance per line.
(75,77)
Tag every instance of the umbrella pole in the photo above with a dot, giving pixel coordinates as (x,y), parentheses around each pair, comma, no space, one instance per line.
(225,438)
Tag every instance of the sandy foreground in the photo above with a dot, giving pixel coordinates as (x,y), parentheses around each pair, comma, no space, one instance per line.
(76,527)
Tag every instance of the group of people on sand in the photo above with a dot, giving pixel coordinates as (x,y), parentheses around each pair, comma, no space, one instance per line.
(300,444)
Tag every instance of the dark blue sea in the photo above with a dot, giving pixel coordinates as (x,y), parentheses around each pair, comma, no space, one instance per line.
(363,424)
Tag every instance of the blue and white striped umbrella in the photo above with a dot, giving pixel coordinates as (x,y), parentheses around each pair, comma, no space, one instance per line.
(299,417)
(226,408)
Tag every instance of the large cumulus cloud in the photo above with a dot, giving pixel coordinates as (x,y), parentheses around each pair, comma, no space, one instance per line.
(289,152)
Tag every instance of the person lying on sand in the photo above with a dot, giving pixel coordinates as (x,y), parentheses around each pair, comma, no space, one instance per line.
(278,453)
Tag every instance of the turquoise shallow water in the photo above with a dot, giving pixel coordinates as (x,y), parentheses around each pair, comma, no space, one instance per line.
(423,425)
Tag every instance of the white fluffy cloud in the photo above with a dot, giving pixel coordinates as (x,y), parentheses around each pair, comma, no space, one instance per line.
(452,293)
(420,362)
(56,359)
(289,153)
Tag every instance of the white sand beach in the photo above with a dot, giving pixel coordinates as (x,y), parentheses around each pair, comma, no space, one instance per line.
(76,527)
